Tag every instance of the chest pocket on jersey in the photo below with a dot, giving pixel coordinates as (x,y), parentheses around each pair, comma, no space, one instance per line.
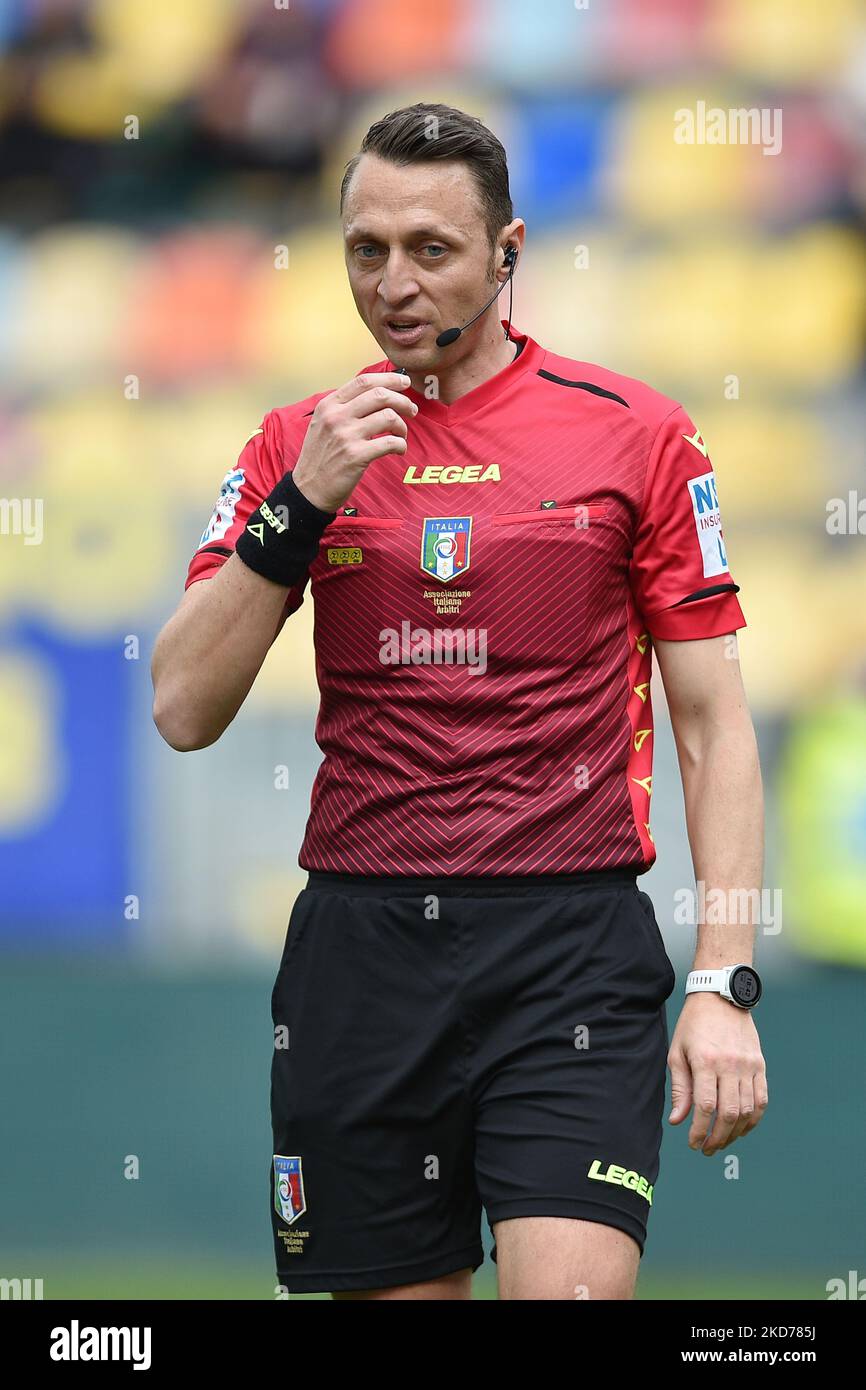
(549,576)
(358,562)
(560,516)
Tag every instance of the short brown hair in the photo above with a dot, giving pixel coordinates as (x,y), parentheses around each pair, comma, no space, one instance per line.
(427,131)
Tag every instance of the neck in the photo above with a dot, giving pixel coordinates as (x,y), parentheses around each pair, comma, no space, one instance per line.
(489,354)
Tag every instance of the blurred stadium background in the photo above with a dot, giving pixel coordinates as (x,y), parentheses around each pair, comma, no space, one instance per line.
(145,330)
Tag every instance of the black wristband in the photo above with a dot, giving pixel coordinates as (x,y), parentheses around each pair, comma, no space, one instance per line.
(281,538)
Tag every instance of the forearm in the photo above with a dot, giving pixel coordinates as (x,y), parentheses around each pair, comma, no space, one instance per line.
(724,807)
(209,653)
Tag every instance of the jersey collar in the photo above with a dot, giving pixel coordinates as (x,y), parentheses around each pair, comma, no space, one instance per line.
(529,359)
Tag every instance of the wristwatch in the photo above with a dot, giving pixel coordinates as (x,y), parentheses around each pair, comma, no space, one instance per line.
(741,984)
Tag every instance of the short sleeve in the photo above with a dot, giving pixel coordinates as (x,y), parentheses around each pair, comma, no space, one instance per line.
(679,573)
(258,470)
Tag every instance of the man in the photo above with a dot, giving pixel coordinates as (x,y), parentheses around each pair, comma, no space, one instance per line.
(469,1009)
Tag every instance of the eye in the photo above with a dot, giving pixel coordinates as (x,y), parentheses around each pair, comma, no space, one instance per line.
(435,248)
(360,250)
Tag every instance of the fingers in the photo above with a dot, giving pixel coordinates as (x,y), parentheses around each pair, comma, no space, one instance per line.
(359,385)
(739,1108)
(392,437)
(747,1110)
(365,453)
(382,422)
(754,1099)
(380,398)
(681,1087)
(369,405)
(705,1104)
(760,1097)
(727,1112)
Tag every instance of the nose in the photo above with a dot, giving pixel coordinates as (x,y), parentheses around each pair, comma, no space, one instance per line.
(398,282)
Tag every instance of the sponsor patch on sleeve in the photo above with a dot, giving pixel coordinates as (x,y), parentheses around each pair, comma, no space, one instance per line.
(708,523)
(223,513)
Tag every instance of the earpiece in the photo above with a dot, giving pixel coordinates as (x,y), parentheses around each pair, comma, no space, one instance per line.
(450,335)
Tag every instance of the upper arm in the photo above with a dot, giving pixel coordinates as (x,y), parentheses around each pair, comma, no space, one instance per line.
(257,471)
(700,675)
(683,588)
(703,687)
(678,567)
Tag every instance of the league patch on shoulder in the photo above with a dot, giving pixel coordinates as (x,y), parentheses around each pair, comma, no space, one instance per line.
(223,513)
(708,523)
(290,1201)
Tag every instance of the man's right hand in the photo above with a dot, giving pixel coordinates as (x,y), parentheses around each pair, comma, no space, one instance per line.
(340,442)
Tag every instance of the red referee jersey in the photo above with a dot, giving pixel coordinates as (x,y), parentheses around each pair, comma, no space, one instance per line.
(484,611)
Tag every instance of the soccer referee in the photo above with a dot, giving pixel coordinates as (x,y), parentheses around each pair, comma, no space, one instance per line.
(470,1006)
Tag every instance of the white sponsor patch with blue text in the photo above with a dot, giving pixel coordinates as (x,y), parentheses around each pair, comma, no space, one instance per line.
(708,523)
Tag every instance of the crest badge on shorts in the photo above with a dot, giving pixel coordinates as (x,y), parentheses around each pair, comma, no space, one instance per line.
(445,546)
(290,1200)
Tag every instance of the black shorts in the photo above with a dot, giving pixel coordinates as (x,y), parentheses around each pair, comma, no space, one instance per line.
(447,1045)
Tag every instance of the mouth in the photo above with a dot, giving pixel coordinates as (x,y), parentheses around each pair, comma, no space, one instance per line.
(404,331)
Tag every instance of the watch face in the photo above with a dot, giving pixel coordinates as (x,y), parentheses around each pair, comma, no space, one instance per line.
(745,986)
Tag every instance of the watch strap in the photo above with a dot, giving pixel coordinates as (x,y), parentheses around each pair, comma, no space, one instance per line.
(708,981)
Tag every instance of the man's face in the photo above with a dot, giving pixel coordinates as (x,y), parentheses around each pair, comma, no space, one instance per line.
(417,254)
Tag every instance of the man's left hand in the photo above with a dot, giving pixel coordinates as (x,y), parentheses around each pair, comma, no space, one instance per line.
(716,1064)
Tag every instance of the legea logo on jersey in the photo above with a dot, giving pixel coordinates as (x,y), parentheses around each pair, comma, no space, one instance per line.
(448,473)
(289,1199)
(708,523)
(445,546)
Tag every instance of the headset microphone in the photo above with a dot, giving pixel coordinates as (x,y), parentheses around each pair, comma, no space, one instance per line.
(451,335)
